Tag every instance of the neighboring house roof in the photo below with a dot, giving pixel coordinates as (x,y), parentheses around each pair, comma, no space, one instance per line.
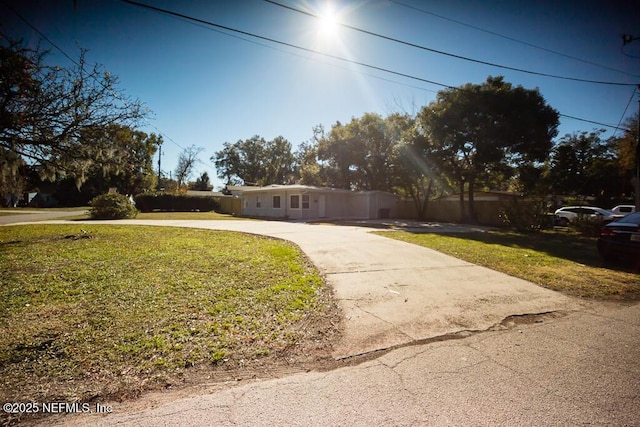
(236,190)
(240,187)
(204,193)
(484,195)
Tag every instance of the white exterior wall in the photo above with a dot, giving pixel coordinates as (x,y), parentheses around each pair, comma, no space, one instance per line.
(266,207)
(338,204)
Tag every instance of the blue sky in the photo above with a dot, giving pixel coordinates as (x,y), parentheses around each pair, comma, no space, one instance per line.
(207,86)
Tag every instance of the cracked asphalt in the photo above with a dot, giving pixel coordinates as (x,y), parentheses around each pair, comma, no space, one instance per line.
(445,344)
(579,369)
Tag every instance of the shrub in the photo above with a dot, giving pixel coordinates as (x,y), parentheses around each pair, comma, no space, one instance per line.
(112,206)
(526,216)
(587,226)
(176,202)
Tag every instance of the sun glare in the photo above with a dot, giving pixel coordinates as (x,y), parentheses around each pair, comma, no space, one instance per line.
(328,22)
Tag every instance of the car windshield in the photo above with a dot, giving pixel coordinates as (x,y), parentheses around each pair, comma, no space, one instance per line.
(605,212)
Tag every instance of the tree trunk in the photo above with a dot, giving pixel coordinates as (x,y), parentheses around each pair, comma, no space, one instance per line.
(472,209)
(463,215)
(425,201)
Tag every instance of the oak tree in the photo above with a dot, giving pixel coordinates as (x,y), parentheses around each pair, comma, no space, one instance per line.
(479,130)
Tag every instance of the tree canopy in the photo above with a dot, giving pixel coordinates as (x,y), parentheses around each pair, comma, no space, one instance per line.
(584,165)
(46,111)
(256,161)
(357,155)
(134,173)
(476,131)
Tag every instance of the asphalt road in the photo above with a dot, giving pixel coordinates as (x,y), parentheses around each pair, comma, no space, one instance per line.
(579,369)
(29,215)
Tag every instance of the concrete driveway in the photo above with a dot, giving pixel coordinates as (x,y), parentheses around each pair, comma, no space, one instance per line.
(394,293)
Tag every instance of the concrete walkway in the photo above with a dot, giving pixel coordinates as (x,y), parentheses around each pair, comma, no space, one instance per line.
(393,293)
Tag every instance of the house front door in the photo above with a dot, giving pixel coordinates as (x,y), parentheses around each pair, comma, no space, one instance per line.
(322,206)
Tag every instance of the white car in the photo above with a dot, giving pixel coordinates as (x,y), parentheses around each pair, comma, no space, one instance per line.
(622,210)
(564,216)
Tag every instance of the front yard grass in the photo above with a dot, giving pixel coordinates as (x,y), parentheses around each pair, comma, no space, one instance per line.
(566,262)
(104,311)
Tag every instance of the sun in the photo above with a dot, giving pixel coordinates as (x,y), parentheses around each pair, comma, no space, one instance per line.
(328,24)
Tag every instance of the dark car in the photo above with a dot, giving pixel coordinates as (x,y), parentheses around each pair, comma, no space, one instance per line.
(621,239)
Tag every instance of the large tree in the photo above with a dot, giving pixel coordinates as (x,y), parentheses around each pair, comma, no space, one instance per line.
(628,151)
(357,155)
(586,166)
(412,170)
(45,110)
(476,131)
(256,161)
(132,173)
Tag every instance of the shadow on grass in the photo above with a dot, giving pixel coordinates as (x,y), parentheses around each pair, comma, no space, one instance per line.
(559,244)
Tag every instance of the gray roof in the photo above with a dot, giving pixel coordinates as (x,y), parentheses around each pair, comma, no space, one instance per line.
(297,187)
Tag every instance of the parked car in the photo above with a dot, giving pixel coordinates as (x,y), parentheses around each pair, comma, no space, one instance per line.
(623,210)
(566,215)
(621,239)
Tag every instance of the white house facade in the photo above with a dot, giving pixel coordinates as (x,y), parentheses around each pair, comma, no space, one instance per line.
(314,203)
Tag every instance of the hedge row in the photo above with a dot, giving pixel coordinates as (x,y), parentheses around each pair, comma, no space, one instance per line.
(176,203)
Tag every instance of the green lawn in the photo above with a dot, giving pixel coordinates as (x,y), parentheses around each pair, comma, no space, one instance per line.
(565,262)
(114,310)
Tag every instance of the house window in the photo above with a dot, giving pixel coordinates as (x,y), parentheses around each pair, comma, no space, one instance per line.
(276,202)
(258,202)
(294,202)
(305,201)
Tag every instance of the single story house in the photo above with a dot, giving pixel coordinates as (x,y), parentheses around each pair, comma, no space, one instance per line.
(309,202)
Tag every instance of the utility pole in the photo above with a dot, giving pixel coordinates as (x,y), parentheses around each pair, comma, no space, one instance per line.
(637,186)
(628,38)
(159,161)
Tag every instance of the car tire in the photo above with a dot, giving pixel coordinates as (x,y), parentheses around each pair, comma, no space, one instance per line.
(563,222)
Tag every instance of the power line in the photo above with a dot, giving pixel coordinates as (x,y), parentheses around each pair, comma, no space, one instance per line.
(477,61)
(201,25)
(591,121)
(201,21)
(246,33)
(624,113)
(23,19)
(512,38)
